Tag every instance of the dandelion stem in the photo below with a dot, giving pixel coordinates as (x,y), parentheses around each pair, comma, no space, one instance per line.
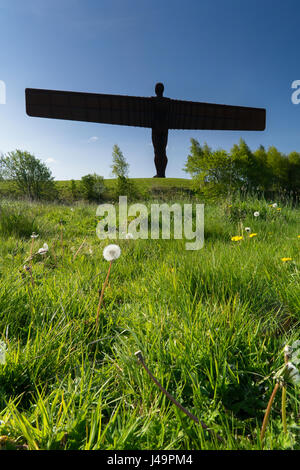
(61,240)
(31,250)
(140,358)
(79,249)
(102,292)
(31,276)
(283,399)
(267,413)
(30,261)
(283,408)
(53,251)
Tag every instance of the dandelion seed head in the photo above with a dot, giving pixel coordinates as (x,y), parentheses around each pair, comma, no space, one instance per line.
(44,249)
(293,373)
(111,252)
(274,205)
(247,229)
(256,214)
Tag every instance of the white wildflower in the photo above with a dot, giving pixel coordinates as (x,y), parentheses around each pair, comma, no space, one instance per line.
(44,249)
(111,252)
(256,214)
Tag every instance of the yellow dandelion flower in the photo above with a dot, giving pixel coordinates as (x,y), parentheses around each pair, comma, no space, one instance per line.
(278,208)
(298,236)
(236,238)
(286,259)
(252,235)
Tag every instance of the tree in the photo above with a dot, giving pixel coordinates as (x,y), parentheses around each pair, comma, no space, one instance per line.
(93,187)
(218,172)
(211,171)
(278,164)
(294,172)
(264,172)
(31,176)
(73,188)
(120,167)
(197,161)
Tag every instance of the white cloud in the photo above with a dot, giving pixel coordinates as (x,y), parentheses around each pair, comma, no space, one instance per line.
(93,139)
(50,160)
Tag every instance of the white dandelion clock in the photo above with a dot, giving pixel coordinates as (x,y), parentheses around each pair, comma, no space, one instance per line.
(256,214)
(44,249)
(111,252)
(293,373)
(274,205)
(247,229)
(2,352)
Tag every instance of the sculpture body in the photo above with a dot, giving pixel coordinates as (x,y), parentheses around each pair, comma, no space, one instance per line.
(158,113)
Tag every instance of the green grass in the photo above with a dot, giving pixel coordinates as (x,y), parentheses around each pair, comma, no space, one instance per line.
(211,325)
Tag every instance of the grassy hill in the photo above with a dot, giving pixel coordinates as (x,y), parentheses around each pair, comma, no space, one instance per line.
(150,186)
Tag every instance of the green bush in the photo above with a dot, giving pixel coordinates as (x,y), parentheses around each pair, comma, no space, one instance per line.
(92,186)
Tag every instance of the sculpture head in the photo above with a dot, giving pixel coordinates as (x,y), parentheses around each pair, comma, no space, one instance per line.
(159,89)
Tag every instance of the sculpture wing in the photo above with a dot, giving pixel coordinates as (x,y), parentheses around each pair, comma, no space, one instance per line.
(90,107)
(194,115)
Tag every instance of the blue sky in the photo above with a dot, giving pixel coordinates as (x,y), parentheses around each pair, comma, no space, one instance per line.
(237,52)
